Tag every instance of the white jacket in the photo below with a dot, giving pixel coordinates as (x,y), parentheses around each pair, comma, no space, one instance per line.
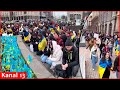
(57,55)
(93,49)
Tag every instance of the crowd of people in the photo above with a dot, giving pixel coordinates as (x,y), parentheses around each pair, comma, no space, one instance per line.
(102,47)
(56,44)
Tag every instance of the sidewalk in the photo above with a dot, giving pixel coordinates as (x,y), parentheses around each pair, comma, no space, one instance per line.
(37,66)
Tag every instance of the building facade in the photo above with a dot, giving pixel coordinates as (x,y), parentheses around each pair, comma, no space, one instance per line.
(5,15)
(24,15)
(108,22)
(75,17)
(105,22)
(91,22)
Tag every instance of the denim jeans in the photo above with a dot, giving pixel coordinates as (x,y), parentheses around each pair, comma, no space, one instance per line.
(111,50)
(94,61)
(43,58)
(117,74)
(48,61)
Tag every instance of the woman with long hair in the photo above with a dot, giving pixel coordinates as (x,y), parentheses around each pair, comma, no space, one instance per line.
(105,65)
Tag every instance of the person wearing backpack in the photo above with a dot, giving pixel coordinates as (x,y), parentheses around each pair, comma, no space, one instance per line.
(70,61)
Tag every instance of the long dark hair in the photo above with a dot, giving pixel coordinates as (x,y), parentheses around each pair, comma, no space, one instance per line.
(104,57)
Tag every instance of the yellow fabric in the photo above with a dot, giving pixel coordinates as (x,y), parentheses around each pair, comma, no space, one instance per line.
(10,30)
(117,51)
(73,36)
(101,71)
(52,30)
(58,28)
(42,44)
(26,38)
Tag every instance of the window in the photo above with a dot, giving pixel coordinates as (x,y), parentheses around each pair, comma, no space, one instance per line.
(110,28)
(105,28)
(114,13)
(78,16)
(71,16)
(25,12)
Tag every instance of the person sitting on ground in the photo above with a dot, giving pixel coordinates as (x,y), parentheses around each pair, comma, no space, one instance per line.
(41,44)
(58,39)
(70,61)
(55,58)
(34,40)
(26,36)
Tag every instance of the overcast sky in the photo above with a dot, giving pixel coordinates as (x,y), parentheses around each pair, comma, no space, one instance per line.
(59,14)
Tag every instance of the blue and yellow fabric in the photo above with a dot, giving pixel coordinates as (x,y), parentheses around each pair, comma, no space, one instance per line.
(51,29)
(26,36)
(117,50)
(42,44)
(102,67)
(12,59)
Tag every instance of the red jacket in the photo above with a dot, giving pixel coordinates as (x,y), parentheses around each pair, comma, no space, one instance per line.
(106,49)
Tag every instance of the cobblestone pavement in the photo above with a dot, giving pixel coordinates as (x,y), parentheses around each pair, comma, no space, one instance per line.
(88,65)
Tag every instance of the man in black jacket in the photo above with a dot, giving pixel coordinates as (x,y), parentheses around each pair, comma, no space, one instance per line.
(116,66)
(70,63)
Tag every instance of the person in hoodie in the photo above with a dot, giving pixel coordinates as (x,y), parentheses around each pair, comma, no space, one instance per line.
(56,57)
(70,61)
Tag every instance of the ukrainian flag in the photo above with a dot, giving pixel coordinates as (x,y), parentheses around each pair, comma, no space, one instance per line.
(52,30)
(117,50)
(26,36)
(102,67)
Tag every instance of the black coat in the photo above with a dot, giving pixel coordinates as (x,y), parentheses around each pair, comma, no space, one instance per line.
(116,64)
(74,60)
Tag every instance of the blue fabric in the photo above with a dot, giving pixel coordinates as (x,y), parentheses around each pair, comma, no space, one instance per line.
(105,63)
(43,58)
(48,61)
(12,56)
(116,42)
(26,34)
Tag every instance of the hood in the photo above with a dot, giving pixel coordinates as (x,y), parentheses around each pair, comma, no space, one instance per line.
(55,46)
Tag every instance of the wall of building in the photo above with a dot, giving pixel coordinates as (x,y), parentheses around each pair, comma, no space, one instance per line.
(22,15)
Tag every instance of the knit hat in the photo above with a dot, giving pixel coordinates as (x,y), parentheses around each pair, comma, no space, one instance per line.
(68,42)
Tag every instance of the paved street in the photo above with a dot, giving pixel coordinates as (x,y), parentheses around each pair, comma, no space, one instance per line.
(37,66)
(88,67)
